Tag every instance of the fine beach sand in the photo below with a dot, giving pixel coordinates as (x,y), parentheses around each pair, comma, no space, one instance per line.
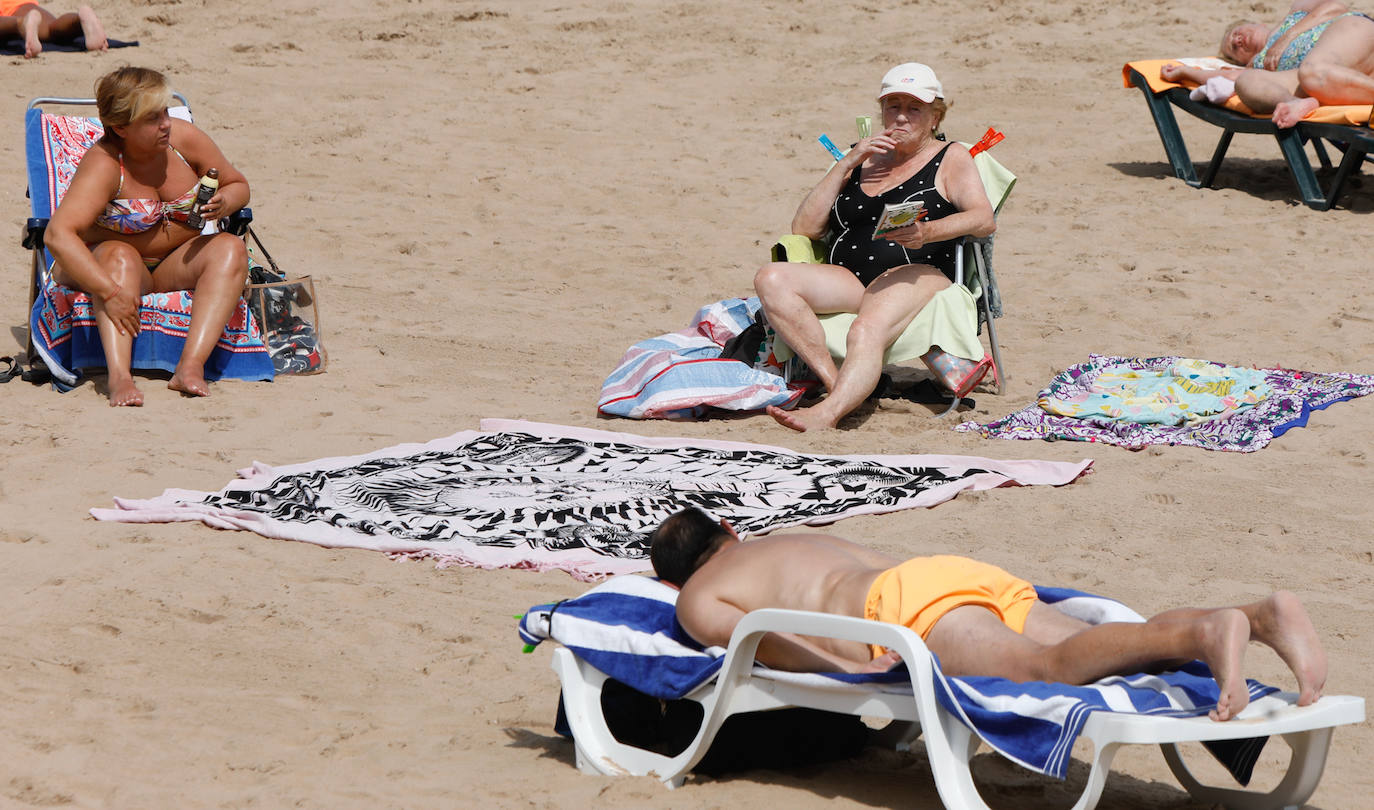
(496,199)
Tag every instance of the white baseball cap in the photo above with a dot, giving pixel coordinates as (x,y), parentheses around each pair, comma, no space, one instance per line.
(913,79)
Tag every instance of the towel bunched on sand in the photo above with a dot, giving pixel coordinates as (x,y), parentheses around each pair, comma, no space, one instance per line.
(1266,403)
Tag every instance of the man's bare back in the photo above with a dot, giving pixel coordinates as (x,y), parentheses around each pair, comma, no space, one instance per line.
(813,572)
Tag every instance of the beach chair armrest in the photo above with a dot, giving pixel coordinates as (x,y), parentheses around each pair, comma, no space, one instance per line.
(33,233)
(237,223)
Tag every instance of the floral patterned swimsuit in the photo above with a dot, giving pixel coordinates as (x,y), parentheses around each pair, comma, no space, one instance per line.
(1301,45)
(136,215)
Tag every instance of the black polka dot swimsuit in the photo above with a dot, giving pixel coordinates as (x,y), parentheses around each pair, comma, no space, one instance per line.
(854,215)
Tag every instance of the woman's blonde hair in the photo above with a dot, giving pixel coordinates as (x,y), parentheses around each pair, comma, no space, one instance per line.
(940,106)
(1225,57)
(130,93)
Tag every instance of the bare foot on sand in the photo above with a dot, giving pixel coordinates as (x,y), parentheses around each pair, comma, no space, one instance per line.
(1282,623)
(1223,635)
(189,384)
(123,392)
(32,47)
(92,30)
(1289,113)
(800,420)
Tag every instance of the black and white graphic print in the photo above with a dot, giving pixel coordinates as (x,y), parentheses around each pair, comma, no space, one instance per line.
(559,494)
(537,496)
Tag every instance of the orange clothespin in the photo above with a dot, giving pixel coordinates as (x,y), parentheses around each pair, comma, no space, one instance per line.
(990,139)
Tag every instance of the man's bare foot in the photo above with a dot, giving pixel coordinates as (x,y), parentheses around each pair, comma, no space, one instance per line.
(800,420)
(32,47)
(882,663)
(1289,113)
(1282,623)
(92,30)
(1223,635)
(188,383)
(123,392)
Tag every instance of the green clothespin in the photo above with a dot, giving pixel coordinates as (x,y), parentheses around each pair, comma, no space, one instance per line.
(528,648)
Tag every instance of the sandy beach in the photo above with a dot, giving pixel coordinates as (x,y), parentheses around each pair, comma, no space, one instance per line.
(495,200)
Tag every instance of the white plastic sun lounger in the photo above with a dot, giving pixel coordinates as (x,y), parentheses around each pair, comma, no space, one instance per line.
(921,703)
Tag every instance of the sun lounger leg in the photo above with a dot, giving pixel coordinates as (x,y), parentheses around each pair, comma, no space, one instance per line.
(1352,161)
(598,751)
(1103,754)
(949,751)
(1320,148)
(1218,155)
(1167,127)
(1304,771)
(1290,143)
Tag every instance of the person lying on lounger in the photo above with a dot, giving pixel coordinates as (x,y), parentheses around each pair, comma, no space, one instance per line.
(885,280)
(1321,53)
(122,229)
(977,618)
(22,19)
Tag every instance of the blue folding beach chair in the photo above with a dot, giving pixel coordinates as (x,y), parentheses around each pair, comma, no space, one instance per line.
(62,327)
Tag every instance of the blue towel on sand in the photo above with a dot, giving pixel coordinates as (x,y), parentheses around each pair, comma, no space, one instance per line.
(15,47)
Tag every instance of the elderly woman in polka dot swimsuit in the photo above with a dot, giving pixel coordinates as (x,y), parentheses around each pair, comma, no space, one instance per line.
(885,280)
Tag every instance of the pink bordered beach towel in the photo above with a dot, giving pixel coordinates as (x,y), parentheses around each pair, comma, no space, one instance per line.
(538,496)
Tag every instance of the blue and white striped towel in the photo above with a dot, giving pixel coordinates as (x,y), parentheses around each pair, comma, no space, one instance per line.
(681,374)
(627,628)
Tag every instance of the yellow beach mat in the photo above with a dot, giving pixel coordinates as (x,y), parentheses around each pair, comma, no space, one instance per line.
(1356,114)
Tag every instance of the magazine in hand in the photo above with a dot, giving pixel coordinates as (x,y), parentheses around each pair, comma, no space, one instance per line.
(899,215)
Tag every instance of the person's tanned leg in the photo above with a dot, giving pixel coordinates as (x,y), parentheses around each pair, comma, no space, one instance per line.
(127,268)
(1337,71)
(972,640)
(92,29)
(889,305)
(1282,623)
(792,294)
(1263,90)
(215,269)
(33,42)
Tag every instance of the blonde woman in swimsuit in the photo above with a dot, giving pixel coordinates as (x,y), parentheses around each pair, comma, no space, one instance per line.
(121,230)
(35,25)
(1321,53)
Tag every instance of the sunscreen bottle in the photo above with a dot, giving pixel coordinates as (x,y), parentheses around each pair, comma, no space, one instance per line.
(209,184)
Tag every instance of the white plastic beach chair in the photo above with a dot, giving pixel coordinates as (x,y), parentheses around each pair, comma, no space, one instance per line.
(915,706)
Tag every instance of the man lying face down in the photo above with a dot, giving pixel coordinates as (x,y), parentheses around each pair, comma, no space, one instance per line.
(977,618)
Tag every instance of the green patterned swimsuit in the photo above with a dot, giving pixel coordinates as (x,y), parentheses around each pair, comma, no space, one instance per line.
(1298,49)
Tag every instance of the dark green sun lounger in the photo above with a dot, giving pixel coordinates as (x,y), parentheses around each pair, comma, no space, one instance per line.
(1355,142)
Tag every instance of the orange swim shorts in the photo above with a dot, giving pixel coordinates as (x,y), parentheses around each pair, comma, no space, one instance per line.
(9,7)
(918,592)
